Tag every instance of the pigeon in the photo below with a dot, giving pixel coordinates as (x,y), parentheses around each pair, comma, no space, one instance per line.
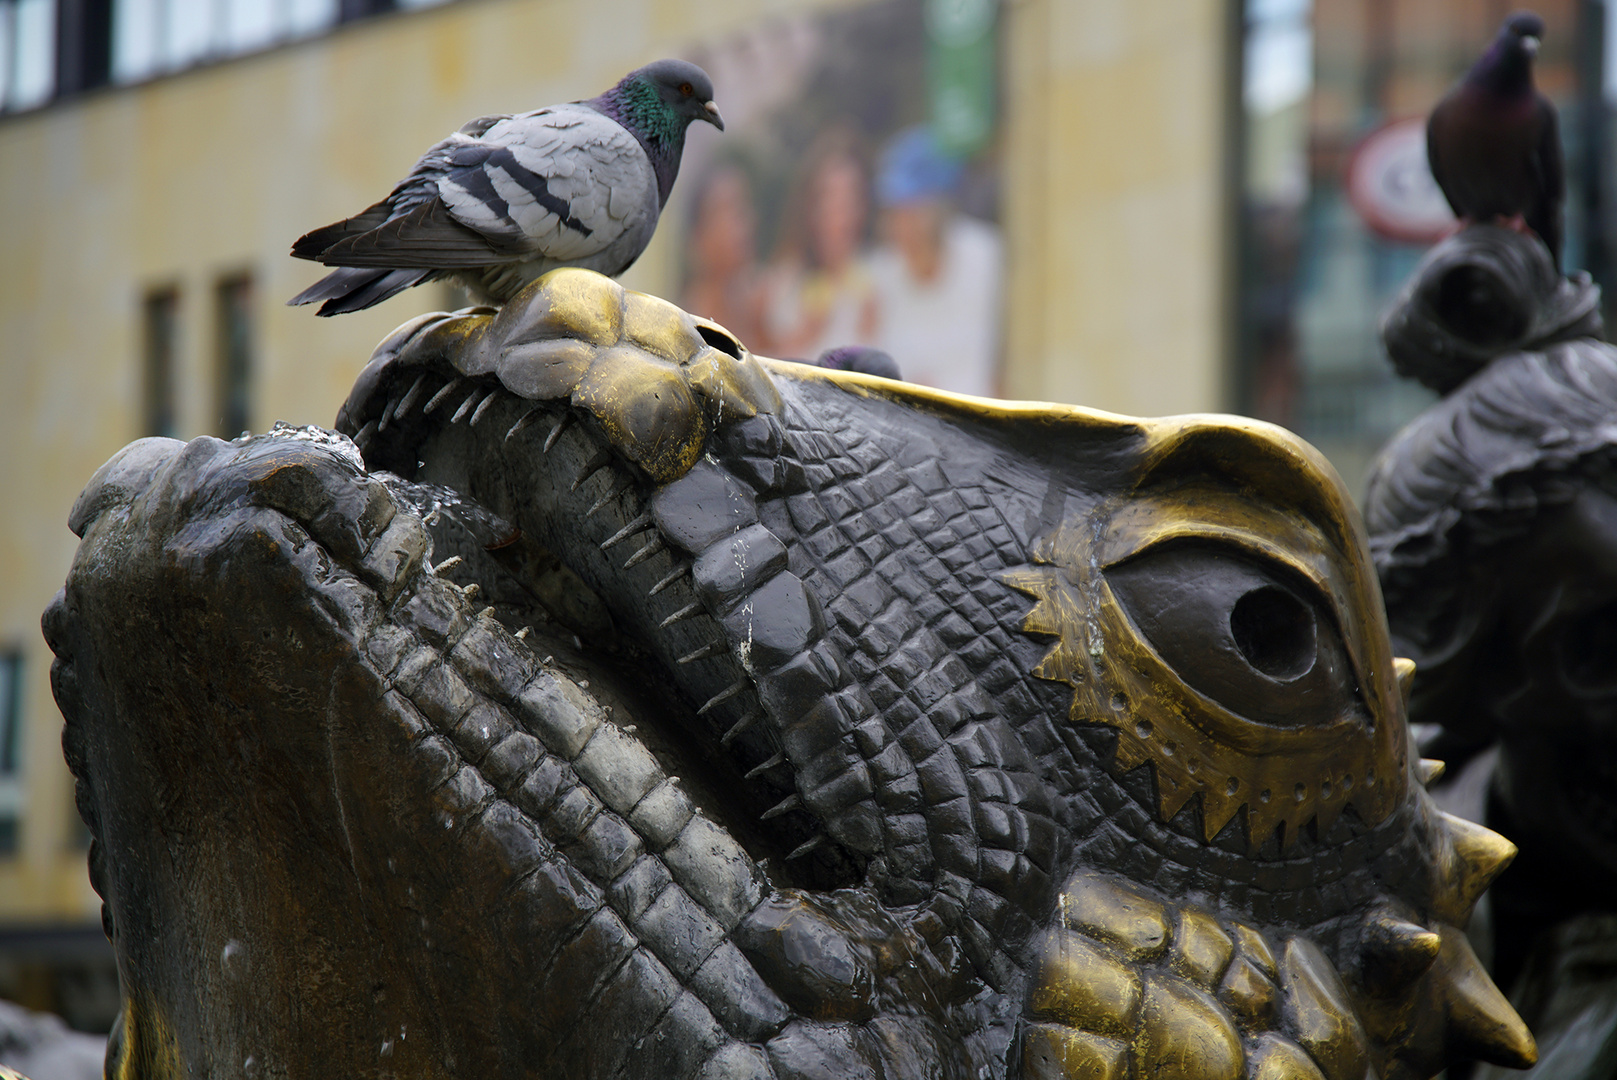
(1493,142)
(860,358)
(508,197)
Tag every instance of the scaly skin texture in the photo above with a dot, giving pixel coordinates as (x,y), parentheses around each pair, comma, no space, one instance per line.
(848,730)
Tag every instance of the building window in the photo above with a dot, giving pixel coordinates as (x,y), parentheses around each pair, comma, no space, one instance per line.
(10,749)
(27,53)
(161,346)
(154,37)
(233,306)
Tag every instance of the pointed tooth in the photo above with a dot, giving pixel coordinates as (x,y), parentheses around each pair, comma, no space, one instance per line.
(387,413)
(741,725)
(637,525)
(692,608)
(721,697)
(555,432)
(598,461)
(764,766)
(522,635)
(1429,771)
(785,806)
(1475,857)
(466,406)
(1396,951)
(527,418)
(1481,1023)
(471,591)
(408,400)
(817,841)
(438,399)
(653,546)
(1403,669)
(612,492)
(363,436)
(712,648)
(477,414)
(673,575)
(448,564)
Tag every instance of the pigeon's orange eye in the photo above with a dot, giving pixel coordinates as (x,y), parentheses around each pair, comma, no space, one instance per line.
(687,89)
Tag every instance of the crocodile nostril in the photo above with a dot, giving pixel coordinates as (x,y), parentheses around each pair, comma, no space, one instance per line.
(720,340)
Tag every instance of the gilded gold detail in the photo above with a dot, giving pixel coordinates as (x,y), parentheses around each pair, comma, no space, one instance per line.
(1428,771)
(1249,994)
(1276,1059)
(1319,1013)
(1482,1023)
(1470,857)
(1403,669)
(1201,948)
(1085,986)
(141,1046)
(1053,1052)
(1255,947)
(1118,914)
(1184,1035)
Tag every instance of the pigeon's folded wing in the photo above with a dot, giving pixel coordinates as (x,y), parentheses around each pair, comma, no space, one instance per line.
(561,183)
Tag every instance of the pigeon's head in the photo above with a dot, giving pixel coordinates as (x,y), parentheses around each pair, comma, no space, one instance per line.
(1527,30)
(683,88)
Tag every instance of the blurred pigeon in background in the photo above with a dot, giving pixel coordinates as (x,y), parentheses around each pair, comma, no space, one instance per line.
(1493,141)
(507,198)
(860,358)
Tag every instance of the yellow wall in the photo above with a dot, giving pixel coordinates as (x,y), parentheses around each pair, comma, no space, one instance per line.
(1112,216)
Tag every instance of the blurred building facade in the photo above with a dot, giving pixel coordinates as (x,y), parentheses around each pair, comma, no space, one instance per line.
(158,156)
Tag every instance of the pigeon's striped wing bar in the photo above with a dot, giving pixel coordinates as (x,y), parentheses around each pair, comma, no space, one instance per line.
(561,183)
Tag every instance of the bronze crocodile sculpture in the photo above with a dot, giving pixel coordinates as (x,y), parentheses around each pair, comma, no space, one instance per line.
(753,721)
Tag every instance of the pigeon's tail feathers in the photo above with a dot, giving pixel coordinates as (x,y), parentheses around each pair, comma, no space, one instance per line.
(428,237)
(312,245)
(355,289)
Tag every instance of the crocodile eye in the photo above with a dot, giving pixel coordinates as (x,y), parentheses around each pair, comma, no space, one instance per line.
(1251,635)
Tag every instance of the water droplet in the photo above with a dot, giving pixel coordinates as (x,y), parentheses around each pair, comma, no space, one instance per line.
(1143,729)
(1232,787)
(1300,792)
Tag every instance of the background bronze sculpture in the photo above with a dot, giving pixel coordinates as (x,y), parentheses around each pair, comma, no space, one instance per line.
(1493,520)
(848,729)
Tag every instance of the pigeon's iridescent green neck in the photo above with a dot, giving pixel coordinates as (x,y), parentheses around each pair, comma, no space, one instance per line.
(636,104)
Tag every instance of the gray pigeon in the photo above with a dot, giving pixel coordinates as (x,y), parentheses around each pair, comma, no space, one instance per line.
(507,198)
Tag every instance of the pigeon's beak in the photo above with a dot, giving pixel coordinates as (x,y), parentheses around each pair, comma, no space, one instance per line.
(1530,43)
(713,116)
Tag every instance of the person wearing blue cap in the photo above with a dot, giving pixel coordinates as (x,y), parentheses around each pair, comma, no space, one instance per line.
(936,273)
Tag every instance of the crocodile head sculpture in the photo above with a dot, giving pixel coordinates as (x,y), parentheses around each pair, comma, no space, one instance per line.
(619,704)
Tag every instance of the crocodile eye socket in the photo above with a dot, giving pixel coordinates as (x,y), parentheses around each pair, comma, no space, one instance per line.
(1248,634)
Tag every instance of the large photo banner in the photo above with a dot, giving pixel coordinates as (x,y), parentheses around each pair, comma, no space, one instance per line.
(853,198)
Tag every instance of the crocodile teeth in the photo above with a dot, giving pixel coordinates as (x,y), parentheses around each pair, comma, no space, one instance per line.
(408,400)
(598,461)
(693,608)
(764,766)
(471,591)
(617,488)
(817,841)
(438,399)
(555,432)
(721,697)
(466,406)
(712,648)
(387,411)
(785,806)
(655,545)
(448,564)
(637,525)
(740,725)
(477,414)
(527,418)
(673,575)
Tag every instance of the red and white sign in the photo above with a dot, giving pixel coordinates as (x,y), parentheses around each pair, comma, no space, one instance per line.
(1390,184)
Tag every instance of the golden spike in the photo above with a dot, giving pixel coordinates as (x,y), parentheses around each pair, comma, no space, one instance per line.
(1478,856)
(1396,952)
(1481,1023)
(1403,669)
(1429,770)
